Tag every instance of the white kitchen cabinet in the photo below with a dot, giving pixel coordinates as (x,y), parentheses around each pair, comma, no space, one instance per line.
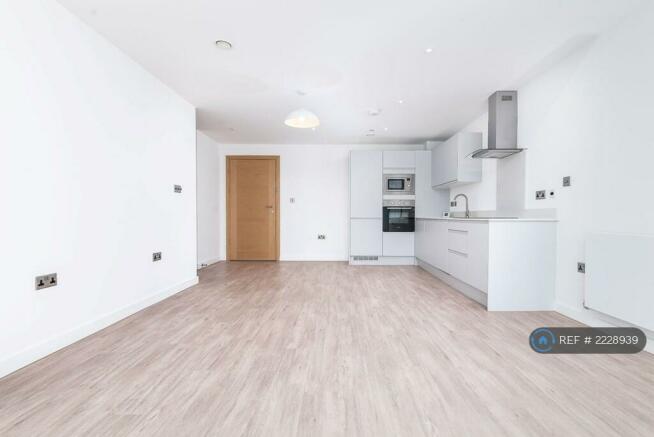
(467,246)
(429,202)
(398,244)
(507,265)
(366,237)
(420,239)
(451,164)
(437,231)
(366,184)
(431,242)
(399,159)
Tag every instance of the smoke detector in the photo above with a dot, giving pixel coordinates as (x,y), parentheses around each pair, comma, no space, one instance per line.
(222,44)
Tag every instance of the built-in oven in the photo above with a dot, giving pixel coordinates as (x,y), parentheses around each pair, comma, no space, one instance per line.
(399,184)
(399,215)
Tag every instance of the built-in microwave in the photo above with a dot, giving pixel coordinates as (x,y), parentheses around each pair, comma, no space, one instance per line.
(399,184)
(399,216)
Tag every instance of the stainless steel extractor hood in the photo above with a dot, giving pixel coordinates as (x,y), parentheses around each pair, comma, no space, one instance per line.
(502,126)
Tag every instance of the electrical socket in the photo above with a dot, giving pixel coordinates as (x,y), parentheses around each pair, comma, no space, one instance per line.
(178,188)
(540,194)
(581,267)
(45,281)
(156,256)
(321,236)
(453,203)
(566,181)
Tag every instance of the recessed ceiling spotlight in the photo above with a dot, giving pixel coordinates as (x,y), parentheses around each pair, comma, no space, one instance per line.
(313,129)
(400,101)
(222,44)
(429,50)
(385,129)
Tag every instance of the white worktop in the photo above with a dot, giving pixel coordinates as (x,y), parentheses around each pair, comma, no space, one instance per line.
(489,219)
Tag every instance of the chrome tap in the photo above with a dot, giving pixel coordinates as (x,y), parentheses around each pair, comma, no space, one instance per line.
(466,198)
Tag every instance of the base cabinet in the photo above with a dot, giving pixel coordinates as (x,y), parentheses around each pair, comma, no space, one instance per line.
(431,242)
(467,252)
(398,244)
(511,263)
(366,237)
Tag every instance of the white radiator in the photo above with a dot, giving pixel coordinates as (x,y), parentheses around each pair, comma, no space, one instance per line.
(620,277)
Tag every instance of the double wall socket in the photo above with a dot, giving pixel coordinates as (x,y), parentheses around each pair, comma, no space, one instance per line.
(178,188)
(45,281)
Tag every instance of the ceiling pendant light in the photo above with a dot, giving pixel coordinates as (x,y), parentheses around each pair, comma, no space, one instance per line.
(302,118)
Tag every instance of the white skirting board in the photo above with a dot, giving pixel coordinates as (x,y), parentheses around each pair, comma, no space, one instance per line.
(207,263)
(465,289)
(598,320)
(302,258)
(38,351)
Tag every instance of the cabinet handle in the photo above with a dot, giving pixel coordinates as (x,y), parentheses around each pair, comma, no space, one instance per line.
(456,252)
(444,183)
(461,231)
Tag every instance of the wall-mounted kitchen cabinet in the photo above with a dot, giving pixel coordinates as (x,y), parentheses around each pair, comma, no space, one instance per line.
(429,202)
(366,184)
(451,164)
(399,159)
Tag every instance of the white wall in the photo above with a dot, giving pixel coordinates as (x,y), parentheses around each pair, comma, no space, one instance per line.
(91,146)
(317,176)
(588,117)
(208,206)
(591,118)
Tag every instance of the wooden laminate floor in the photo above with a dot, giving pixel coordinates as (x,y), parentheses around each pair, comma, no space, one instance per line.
(325,349)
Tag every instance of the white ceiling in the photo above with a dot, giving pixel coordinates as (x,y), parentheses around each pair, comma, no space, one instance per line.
(348,56)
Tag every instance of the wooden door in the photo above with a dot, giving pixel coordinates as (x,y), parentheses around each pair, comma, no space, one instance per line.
(252,208)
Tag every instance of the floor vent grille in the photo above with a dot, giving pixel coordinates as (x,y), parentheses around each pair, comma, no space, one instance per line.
(366,258)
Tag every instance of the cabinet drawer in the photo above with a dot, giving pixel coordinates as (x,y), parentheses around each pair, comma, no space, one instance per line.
(457,240)
(457,265)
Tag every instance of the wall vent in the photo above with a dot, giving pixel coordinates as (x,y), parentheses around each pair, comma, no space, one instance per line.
(365,258)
